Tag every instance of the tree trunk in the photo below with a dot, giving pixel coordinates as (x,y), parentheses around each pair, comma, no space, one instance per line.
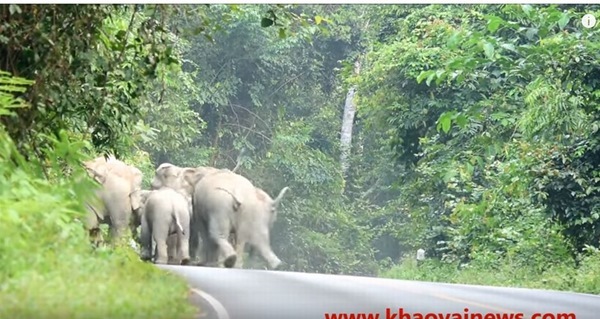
(347,123)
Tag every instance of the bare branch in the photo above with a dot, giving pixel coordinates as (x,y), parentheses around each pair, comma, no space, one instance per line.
(252,113)
(239,160)
(251,130)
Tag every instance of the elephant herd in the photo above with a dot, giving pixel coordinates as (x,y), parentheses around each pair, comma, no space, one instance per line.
(202,214)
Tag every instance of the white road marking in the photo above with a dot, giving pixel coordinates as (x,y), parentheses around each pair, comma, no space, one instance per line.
(217,306)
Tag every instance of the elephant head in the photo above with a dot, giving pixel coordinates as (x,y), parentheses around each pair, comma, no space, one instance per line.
(137,214)
(121,185)
(181,179)
(100,168)
(97,169)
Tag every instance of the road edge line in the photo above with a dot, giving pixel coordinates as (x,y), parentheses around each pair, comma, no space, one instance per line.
(217,306)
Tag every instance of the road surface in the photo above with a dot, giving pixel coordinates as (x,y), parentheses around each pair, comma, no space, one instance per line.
(260,294)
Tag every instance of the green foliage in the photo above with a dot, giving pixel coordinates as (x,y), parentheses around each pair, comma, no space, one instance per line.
(91,64)
(476,136)
(45,248)
(557,277)
(492,104)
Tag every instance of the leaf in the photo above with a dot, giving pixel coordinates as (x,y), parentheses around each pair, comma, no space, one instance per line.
(461,121)
(489,50)
(564,20)
(318,20)
(282,34)
(266,22)
(508,46)
(445,121)
(494,23)
(439,74)
(453,40)
(531,32)
(13,8)
(423,75)
(430,78)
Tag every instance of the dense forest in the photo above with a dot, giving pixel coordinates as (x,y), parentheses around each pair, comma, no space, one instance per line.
(469,131)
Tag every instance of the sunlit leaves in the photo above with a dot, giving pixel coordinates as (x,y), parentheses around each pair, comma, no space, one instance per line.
(488,48)
(494,22)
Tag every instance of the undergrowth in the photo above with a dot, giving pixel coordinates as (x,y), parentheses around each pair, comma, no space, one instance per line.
(584,278)
(48,268)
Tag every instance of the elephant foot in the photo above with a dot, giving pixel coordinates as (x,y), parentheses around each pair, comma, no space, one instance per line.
(230,261)
(275,263)
(161,261)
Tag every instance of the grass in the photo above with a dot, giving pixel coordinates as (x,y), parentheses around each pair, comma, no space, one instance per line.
(47,267)
(583,279)
(105,284)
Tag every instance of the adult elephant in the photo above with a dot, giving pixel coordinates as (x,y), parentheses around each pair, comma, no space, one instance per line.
(182,180)
(227,203)
(117,198)
(165,212)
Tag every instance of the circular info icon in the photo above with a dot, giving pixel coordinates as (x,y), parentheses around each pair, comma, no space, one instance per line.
(588,21)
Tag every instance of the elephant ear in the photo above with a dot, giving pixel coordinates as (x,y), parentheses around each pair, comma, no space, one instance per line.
(193,175)
(144,194)
(136,188)
(96,170)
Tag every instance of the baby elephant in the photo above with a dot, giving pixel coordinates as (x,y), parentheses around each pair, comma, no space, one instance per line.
(165,212)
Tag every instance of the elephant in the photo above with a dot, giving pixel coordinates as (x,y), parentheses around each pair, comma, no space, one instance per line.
(227,203)
(171,240)
(117,198)
(182,180)
(165,212)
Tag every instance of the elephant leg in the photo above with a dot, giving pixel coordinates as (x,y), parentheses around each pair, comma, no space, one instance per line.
(161,251)
(96,236)
(146,241)
(263,247)
(239,250)
(205,247)
(119,223)
(197,232)
(172,249)
(184,246)
(210,253)
(219,233)
(92,224)
(194,242)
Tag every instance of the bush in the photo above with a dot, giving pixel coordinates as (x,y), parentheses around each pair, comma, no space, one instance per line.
(47,266)
(584,278)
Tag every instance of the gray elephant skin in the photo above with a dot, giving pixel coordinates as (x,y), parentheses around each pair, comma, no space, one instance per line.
(165,212)
(227,208)
(226,203)
(117,198)
(182,180)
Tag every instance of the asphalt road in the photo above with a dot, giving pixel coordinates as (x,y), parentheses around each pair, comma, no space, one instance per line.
(260,294)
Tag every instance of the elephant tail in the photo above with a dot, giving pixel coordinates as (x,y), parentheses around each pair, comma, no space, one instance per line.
(237,203)
(177,221)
